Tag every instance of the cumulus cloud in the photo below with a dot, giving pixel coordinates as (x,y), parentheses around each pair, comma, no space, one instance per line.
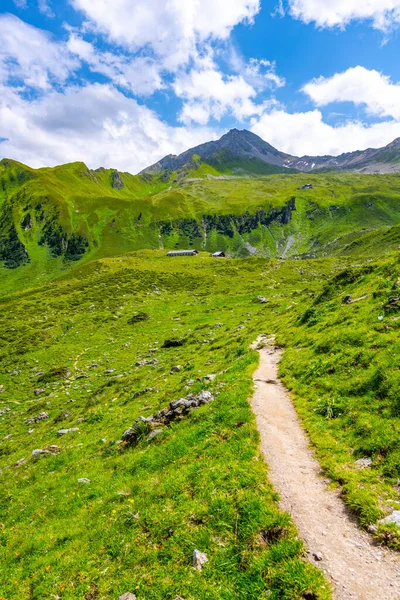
(208,93)
(170,29)
(338,13)
(96,124)
(139,74)
(306,133)
(360,86)
(31,55)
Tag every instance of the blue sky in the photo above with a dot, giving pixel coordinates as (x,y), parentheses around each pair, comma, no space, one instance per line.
(123,83)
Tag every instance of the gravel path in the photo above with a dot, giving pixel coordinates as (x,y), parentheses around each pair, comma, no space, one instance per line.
(355,566)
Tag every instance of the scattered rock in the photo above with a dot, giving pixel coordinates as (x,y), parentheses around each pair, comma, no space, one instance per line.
(143,392)
(138,318)
(84,480)
(154,434)
(47,450)
(40,417)
(39,391)
(347,300)
(393,518)
(173,343)
(363,463)
(175,410)
(210,377)
(372,529)
(127,596)
(109,371)
(65,431)
(20,462)
(145,363)
(62,416)
(262,300)
(176,369)
(318,556)
(94,366)
(199,559)
(4,410)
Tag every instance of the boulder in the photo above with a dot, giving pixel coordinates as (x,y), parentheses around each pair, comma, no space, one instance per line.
(393,518)
(40,417)
(363,463)
(154,434)
(199,559)
(65,431)
(47,450)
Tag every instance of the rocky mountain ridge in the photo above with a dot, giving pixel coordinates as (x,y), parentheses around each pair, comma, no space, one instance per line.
(245,145)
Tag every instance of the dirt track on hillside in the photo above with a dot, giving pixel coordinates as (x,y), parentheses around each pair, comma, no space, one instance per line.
(355,566)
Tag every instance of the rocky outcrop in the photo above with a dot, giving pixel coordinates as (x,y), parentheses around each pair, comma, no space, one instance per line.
(176,409)
(116,181)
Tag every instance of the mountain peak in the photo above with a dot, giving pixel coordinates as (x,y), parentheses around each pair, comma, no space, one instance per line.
(240,144)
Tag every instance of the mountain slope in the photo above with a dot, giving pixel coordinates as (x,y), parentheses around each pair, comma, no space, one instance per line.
(236,146)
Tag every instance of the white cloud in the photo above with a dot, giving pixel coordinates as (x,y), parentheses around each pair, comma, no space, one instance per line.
(208,93)
(95,124)
(30,55)
(360,86)
(333,13)
(170,29)
(141,75)
(307,133)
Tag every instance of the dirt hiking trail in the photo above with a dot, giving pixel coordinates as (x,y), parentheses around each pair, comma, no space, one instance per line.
(355,566)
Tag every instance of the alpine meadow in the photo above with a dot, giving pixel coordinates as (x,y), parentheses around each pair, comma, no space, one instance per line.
(199,300)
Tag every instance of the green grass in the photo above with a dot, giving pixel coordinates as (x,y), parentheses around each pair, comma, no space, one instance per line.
(202,484)
(342,364)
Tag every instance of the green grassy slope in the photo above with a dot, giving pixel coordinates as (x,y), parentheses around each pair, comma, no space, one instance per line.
(201,484)
(342,363)
(50,218)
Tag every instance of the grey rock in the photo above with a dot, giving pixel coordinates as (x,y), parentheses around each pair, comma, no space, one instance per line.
(116,181)
(262,300)
(4,410)
(39,391)
(109,371)
(65,431)
(20,462)
(199,559)
(40,417)
(144,363)
(393,518)
(143,392)
(47,450)
(347,300)
(176,369)
(63,416)
(154,434)
(372,529)
(127,596)
(318,556)
(84,480)
(1,389)
(363,463)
